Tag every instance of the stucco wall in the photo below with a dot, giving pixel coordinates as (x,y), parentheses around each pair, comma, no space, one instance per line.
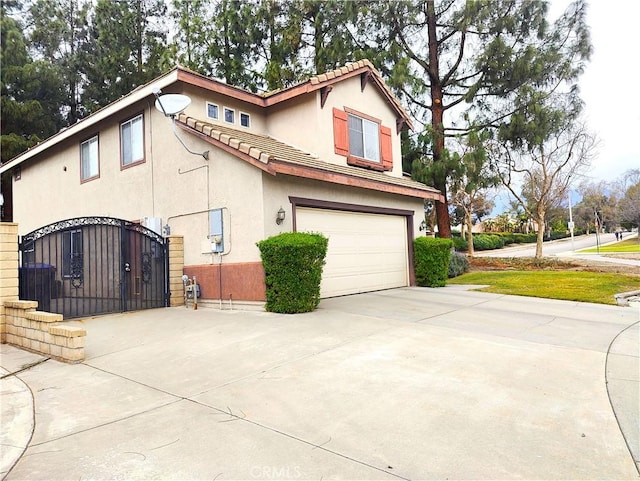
(236,187)
(303,123)
(198,109)
(278,190)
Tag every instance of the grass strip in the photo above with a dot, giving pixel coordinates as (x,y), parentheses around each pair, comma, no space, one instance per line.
(579,286)
(627,245)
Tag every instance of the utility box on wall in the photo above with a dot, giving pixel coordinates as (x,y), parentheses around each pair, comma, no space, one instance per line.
(152,223)
(216,230)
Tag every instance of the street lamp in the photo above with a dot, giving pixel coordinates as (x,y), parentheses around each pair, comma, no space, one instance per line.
(571,224)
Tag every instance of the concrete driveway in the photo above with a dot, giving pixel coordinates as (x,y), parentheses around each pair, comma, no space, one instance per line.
(407,383)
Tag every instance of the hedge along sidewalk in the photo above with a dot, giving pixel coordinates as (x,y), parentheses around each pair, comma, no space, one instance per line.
(431,260)
(293,263)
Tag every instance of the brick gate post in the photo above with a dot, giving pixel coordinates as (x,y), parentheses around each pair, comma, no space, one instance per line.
(8,271)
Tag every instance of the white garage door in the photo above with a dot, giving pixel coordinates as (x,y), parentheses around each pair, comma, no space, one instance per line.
(367,252)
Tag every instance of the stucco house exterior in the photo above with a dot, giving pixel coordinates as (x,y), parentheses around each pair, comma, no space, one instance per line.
(323,156)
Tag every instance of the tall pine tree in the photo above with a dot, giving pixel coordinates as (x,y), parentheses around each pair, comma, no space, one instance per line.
(127,48)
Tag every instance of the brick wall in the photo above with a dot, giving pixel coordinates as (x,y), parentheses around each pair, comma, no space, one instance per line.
(43,332)
(8,270)
(176,267)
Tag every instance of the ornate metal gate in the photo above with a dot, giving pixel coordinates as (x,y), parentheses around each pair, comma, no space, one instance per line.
(94,265)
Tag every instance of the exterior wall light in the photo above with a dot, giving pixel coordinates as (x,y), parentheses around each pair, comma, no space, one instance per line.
(280,216)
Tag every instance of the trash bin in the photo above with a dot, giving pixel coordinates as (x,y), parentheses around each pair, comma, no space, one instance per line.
(37,282)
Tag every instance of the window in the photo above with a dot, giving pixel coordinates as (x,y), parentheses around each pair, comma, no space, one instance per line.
(90,167)
(72,254)
(245,120)
(132,141)
(229,115)
(362,140)
(212,111)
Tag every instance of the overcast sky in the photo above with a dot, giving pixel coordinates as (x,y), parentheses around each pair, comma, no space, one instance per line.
(609,85)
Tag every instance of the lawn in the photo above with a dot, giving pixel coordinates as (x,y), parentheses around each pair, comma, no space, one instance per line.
(580,286)
(626,245)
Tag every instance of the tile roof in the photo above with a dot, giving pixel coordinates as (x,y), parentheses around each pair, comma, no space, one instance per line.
(334,76)
(271,154)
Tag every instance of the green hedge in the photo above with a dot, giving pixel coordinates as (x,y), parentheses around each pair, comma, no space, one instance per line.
(293,264)
(431,261)
(482,242)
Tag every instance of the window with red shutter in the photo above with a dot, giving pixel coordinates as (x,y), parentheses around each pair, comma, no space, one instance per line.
(340,132)
(362,140)
(385,147)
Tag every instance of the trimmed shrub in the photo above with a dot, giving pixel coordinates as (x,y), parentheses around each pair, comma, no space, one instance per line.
(484,242)
(458,264)
(431,260)
(460,244)
(293,264)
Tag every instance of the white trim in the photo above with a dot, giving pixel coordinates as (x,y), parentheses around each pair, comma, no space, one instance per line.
(240,114)
(97,159)
(207,110)
(224,115)
(138,94)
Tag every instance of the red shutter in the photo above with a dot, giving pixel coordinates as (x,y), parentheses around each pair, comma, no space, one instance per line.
(385,147)
(340,132)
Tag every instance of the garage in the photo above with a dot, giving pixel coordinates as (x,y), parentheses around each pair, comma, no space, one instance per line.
(367,251)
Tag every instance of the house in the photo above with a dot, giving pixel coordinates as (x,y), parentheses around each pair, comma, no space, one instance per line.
(323,155)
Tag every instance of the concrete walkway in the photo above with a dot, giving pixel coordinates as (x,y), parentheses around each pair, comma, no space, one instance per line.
(408,383)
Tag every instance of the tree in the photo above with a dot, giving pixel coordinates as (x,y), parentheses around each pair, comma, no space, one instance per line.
(265,44)
(630,206)
(329,32)
(472,177)
(218,39)
(59,33)
(601,198)
(544,165)
(31,92)
(472,60)
(127,48)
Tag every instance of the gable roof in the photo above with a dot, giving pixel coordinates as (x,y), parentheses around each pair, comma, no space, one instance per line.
(276,157)
(180,74)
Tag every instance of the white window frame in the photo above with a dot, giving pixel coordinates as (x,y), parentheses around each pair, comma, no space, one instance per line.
(370,138)
(135,148)
(233,115)
(248,117)
(211,104)
(90,165)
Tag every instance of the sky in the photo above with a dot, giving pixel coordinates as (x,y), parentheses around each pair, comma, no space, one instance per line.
(609,85)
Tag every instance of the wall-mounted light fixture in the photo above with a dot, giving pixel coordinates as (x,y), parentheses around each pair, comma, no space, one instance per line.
(280,216)
(171,105)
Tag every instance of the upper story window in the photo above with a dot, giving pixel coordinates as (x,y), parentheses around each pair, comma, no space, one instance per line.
(213,111)
(362,139)
(89,159)
(132,141)
(245,119)
(229,115)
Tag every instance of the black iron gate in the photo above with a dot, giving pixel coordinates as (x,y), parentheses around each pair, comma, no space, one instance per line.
(94,265)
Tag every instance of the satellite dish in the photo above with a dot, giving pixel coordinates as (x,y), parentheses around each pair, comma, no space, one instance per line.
(172,104)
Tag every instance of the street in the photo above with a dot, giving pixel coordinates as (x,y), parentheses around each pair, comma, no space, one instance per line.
(551,248)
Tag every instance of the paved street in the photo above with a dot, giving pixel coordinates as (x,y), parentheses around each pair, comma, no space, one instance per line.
(551,248)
